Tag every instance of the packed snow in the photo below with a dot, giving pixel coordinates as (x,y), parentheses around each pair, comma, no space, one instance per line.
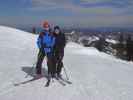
(94,75)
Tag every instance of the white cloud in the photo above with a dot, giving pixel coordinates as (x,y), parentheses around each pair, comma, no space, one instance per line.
(43,5)
(81,16)
(93,1)
(94,21)
(85,16)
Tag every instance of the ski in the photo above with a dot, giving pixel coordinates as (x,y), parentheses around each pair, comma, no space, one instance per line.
(27,81)
(60,81)
(64,80)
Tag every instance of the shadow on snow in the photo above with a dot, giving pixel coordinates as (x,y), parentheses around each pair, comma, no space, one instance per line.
(30,71)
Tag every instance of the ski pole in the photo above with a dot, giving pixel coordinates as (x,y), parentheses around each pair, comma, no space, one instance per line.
(39,55)
(65,73)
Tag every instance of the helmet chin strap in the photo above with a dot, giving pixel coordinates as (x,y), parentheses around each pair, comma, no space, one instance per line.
(57,31)
(47,29)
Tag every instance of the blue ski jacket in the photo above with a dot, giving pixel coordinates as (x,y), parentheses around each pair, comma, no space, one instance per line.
(46,42)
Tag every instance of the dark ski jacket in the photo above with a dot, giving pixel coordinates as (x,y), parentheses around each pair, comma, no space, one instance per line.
(60,42)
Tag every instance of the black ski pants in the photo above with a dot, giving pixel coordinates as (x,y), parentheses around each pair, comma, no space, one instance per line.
(40,59)
(58,57)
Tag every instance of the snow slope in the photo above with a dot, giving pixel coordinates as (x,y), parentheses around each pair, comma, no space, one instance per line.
(94,75)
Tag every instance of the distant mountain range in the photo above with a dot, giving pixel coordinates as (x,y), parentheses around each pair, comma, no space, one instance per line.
(84,30)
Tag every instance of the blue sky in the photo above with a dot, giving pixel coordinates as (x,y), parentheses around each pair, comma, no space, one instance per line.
(69,13)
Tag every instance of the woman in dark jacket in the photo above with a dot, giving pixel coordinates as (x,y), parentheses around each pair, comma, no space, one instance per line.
(60,42)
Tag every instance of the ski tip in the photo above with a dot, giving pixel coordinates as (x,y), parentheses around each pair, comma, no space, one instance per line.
(69,82)
(16,84)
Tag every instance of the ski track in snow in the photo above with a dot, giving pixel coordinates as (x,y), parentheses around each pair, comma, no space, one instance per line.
(94,75)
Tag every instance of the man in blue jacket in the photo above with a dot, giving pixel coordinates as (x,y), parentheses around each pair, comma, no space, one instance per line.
(45,42)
